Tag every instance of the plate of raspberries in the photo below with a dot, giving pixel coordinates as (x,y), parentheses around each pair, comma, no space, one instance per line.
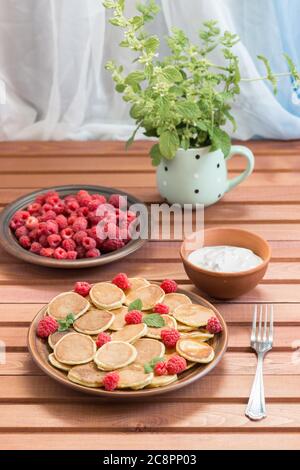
(72,226)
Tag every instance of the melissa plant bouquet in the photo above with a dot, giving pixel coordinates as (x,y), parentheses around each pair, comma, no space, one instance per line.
(183,99)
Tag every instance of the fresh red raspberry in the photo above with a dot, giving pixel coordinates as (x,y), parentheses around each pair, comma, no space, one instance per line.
(92,232)
(21,215)
(43,240)
(93,218)
(102,339)
(93,205)
(117,200)
(163,309)
(84,201)
(46,327)
(160,368)
(34,208)
(68,244)
(70,197)
(71,219)
(92,253)
(169,286)
(111,380)
(89,243)
(100,198)
(82,288)
(51,227)
(36,248)
(32,223)
(47,252)
(112,231)
(71,206)
(79,236)
(66,233)
(33,234)
(42,229)
(83,211)
(13,225)
(80,223)
(121,280)
(214,326)
(47,207)
(52,199)
(80,252)
(25,241)
(50,194)
(72,254)
(21,231)
(176,364)
(40,200)
(59,207)
(61,221)
(81,194)
(60,253)
(54,240)
(48,216)
(133,317)
(112,245)
(170,337)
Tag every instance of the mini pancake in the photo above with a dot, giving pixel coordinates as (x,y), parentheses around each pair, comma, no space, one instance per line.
(136,283)
(184,328)
(114,355)
(75,348)
(130,333)
(198,334)
(195,351)
(170,322)
(107,296)
(94,321)
(134,377)
(66,303)
(149,295)
(55,337)
(147,349)
(57,364)
(87,374)
(162,380)
(193,315)
(173,301)
(119,320)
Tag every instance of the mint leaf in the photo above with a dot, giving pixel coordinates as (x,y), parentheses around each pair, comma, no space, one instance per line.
(221,140)
(135,305)
(155,155)
(66,322)
(154,320)
(149,367)
(168,144)
(172,74)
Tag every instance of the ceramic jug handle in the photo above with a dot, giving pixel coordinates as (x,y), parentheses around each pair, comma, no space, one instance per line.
(245,152)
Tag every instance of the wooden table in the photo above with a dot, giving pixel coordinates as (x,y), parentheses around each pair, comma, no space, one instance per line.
(37,413)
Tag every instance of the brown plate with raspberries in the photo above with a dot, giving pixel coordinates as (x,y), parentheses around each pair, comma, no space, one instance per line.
(127,337)
(72,226)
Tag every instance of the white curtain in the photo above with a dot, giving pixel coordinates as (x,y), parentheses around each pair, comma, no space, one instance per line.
(52,56)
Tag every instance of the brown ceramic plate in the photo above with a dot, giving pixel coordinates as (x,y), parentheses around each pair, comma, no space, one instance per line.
(9,243)
(40,350)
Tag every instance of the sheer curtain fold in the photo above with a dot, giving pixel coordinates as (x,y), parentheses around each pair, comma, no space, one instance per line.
(52,56)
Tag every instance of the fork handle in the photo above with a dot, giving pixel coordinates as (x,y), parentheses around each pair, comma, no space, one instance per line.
(256,409)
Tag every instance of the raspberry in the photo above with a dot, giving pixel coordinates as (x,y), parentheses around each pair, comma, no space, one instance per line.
(54,240)
(133,317)
(32,223)
(72,206)
(169,286)
(59,207)
(47,207)
(50,194)
(72,254)
(33,234)
(121,280)
(80,223)
(163,309)
(68,244)
(21,231)
(46,327)
(89,243)
(80,252)
(25,241)
(131,216)
(170,337)
(92,253)
(112,231)
(112,245)
(214,326)
(51,227)
(82,288)
(52,199)
(84,201)
(66,233)
(47,216)
(176,364)
(160,368)
(111,380)
(100,198)
(59,253)
(61,221)
(102,339)
(79,236)
(36,248)
(117,200)
(43,241)
(21,216)
(72,218)
(47,252)
(93,205)
(81,194)
(83,211)
(34,208)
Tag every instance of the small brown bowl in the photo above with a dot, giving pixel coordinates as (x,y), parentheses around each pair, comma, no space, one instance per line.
(226,285)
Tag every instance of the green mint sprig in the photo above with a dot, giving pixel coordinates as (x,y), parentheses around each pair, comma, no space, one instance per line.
(137,304)
(149,366)
(154,320)
(66,322)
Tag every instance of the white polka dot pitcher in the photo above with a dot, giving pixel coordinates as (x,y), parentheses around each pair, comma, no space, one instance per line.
(199,176)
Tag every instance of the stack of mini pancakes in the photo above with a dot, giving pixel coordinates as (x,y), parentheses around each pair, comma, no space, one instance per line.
(131,346)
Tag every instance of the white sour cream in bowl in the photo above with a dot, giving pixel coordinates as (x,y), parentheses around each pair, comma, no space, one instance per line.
(224,259)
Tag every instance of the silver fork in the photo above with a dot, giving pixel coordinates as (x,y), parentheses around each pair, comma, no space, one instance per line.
(261,342)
